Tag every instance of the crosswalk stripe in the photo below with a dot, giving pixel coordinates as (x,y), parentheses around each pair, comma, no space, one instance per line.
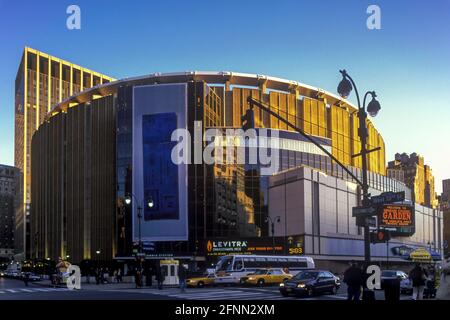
(11,290)
(26,290)
(2,292)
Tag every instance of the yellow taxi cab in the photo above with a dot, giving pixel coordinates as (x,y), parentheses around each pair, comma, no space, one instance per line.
(201,281)
(262,277)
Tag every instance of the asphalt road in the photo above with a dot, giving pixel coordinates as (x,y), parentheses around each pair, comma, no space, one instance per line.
(11,289)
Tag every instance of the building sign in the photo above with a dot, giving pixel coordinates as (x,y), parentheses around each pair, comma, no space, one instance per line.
(293,245)
(396,216)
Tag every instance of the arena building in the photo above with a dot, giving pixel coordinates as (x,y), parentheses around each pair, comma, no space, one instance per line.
(114,139)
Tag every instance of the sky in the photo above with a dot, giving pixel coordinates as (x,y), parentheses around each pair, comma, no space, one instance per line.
(407,61)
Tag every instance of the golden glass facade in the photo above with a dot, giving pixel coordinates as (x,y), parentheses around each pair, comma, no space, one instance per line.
(315,117)
(83,212)
(41,82)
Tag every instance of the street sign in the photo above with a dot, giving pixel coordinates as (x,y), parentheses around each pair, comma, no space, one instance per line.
(362,221)
(363,211)
(388,197)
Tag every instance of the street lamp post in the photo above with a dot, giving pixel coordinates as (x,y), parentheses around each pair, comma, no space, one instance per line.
(272,226)
(150,203)
(344,89)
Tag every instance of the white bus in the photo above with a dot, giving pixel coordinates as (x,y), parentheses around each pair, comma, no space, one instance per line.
(231,268)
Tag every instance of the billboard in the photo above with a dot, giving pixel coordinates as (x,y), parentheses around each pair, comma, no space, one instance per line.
(396,216)
(157,111)
(292,245)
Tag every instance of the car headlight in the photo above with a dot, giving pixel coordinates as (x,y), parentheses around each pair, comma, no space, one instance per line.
(282,284)
(301,285)
(251,278)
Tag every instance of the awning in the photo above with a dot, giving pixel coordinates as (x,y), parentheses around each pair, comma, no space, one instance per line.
(423,255)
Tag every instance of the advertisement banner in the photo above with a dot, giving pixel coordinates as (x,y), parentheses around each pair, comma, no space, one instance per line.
(158,110)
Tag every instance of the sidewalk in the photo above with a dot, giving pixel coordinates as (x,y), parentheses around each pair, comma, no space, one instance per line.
(108,286)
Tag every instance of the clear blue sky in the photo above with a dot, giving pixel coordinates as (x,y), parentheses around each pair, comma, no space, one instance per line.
(407,62)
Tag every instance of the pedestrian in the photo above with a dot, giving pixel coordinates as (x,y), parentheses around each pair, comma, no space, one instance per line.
(353,277)
(119,275)
(26,278)
(161,276)
(97,275)
(418,277)
(182,277)
(105,275)
(148,277)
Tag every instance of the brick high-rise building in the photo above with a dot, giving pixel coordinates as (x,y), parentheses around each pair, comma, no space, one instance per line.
(41,82)
(10,207)
(412,170)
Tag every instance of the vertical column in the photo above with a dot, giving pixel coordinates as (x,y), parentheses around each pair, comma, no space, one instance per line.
(82,79)
(49,88)
(60,82)
(71,80)
(37,90)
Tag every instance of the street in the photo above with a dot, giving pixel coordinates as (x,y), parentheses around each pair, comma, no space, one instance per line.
(12,289)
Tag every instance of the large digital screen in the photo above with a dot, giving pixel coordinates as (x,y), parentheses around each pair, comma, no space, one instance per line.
(158,110)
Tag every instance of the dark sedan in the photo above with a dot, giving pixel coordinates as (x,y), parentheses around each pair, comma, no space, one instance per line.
(310,283)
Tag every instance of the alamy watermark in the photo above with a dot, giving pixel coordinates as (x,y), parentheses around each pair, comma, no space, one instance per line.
(73,21)
(227,146)
(373,22)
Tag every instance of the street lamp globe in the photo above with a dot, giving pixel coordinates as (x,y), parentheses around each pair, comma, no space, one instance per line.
(150,203)
(373,107)
(127,200)
(344,88)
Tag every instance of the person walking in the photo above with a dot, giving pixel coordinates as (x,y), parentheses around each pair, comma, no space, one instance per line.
(26,278)
(138,279)
(418,277)
(119,275)
(353,277)
(161,276)
(97,275)
(148,276)
(182,277)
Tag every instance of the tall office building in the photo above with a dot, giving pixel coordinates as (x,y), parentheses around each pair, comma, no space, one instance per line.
(41,82)
(446,189)
(10,207)
(412,170)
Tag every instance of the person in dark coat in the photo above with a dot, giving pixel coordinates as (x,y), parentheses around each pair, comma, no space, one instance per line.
(353,277)
(148,276)
(418,276)
(182,273)
(160,277)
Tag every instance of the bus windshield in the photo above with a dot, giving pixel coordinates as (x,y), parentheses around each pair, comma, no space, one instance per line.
(225,263)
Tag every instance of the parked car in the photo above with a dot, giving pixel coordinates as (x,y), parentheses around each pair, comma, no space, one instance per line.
(405,282)
(266,276)
(206,279)
(310,283)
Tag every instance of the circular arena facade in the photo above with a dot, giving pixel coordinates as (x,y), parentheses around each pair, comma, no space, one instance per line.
(115,139)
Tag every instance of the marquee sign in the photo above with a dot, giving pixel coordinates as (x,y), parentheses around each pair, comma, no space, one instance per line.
(396,216)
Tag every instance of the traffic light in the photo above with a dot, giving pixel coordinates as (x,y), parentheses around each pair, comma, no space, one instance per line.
(248,120)
(380,236)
